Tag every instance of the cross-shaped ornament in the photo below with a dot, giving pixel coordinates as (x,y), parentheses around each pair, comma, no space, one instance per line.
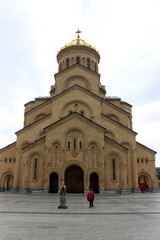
(78,32)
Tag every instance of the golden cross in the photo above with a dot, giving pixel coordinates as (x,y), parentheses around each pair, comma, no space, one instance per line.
(78,31)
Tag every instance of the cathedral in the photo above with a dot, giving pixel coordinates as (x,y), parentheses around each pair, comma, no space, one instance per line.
(77,136)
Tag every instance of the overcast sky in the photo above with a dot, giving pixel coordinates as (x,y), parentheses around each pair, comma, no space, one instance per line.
(125,32)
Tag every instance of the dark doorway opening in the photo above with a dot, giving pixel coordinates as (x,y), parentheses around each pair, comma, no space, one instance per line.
(143,183)
(53,183)
(74,179)
(94,182)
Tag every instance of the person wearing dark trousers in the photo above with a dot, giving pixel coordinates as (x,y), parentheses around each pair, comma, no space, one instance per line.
(90,197)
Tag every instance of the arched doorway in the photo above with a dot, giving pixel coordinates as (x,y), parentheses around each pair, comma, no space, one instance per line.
(8,182)
(53,183)
(143,183)
(94,182)
(74,179)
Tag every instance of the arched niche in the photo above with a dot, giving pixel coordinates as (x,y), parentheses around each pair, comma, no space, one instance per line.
(24,144)
(39,116)
(114,117)
(110,134)
(79,80)
(78,106)
(8,179)
(94,182)
(144,182)
(53,182)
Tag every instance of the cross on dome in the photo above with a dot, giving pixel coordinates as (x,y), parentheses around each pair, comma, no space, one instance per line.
(78,32)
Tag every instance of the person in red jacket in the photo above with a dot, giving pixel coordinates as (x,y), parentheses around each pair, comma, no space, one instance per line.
(90,197)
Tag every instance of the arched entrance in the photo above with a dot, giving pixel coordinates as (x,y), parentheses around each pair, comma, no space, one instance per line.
(53,183)
(74,179)
(143,183)
(94,182)
(8,182)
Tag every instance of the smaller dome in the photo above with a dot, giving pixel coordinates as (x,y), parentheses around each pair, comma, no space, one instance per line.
(78,42)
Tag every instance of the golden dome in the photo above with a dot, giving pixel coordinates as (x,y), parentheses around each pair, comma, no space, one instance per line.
(78,42)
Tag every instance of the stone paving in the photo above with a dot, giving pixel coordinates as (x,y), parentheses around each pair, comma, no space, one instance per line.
(37,217)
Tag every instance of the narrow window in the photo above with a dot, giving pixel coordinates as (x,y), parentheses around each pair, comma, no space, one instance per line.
(35,168)
(114,169)
(69,144)
(78,60)
(80,145)
(67,63)
(74,141)
(88,63)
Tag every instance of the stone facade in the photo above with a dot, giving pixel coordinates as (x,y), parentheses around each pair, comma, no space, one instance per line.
(77,135)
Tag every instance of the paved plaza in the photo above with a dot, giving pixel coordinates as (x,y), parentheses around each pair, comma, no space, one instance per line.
(118,217)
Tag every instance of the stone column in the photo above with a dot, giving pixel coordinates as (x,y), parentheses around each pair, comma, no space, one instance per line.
(134,171)
(125,189)
(16,183)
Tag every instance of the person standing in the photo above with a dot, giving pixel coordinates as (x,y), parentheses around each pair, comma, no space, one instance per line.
(90,197)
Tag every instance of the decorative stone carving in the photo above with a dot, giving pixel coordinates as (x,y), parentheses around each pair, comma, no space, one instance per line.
(74,153)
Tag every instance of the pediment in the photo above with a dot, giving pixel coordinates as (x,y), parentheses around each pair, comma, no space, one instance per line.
(76,68)
(80,89)
(75,120)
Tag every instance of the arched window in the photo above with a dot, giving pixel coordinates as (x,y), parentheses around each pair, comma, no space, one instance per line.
(75,143)
(69,145)
(35,168)
(88,63)
(78,60)
(80,145)
(114,169)
(67,62)
(92,147)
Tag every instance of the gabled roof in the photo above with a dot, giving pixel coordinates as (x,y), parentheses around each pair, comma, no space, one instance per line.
(70,68)
(34,142)
(8,146)
(116,143)
(120,124)
(33,123)
(76,86)
(146,147)
(77,115)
